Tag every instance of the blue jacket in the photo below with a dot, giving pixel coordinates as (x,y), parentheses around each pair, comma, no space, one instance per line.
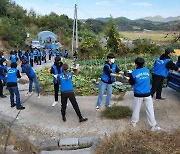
(31,55)
(56,72)
(66,84)
(106,77)
(141,77)
(3,71)
(160,67)
(28,70)
(13,58)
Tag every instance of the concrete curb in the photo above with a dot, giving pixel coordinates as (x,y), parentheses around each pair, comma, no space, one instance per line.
(81,145)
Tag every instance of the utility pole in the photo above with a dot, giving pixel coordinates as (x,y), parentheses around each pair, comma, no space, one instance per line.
(75,27)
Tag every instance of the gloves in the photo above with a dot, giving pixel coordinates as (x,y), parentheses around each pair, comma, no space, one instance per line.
(55,76)
(127,73)
(76,66)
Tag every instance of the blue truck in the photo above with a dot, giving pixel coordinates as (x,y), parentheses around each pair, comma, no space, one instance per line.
(174,81)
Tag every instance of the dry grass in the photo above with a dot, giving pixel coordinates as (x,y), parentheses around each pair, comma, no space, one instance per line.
(177,52)
(141,142)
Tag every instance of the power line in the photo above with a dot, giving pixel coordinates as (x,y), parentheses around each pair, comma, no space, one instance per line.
(84,12)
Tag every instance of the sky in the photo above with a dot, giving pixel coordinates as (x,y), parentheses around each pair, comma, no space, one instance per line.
(131,9)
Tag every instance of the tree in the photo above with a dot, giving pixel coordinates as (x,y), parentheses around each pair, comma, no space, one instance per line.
(89,47)
(114,43)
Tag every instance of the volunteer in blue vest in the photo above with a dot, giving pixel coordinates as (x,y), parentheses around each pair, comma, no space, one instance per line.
(44,55)
(140,79)
(26,68)
(160,71)
(67,92)
(31,55)
(55,70)
(3,72)
(65,54)
(12,83)
(57,53)
(110,71)
(39,57)
(13,57)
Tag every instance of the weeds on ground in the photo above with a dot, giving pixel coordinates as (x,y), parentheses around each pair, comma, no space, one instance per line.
(116,112)
(141,142)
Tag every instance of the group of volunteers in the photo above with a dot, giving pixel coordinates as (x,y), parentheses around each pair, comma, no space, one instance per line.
(62,81)
(36,55)
(140,80)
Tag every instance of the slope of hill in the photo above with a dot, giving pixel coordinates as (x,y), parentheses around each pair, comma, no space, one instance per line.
(162,19)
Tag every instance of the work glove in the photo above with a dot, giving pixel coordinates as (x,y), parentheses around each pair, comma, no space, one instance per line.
(55,76)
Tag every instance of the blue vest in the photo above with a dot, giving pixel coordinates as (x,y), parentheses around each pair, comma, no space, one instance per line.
(31,72)
(12,75)
(160,67)
(13,58)
(56,72)
(141,77)
(65,53)
(105,77)
(3,72)
(31,55)
(66,84)
(57,53)
(39,53)
(44,53)
(35,52)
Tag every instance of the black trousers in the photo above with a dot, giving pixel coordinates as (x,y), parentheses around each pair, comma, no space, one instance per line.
(157,83)
(49,57)
(1,87)
(31,62)
(56,90)
(39,61)
(64,98)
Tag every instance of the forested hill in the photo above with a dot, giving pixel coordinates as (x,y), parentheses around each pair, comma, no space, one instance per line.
(125,24)
(15,23)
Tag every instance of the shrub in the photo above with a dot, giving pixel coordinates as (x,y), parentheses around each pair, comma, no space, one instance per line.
(116,112)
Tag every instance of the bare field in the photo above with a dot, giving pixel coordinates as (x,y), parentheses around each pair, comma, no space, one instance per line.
(177,51)
(156,36)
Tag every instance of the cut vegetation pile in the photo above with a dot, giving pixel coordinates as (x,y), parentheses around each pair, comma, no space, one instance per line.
(141,142)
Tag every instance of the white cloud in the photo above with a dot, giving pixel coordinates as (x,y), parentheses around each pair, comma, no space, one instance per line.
(142,4)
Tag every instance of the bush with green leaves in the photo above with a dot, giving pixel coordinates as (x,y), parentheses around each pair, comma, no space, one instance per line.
(145,47)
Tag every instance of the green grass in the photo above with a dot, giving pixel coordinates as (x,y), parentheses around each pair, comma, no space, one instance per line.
(116,112)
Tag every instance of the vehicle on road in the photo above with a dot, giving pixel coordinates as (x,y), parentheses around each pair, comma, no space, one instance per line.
(174,81)
(35,44)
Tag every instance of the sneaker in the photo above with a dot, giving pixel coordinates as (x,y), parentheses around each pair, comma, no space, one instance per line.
(133,124)
(64,119)
(55,102)
(13,105)
(97,107)
(161,99)
(83,119)
(156,128)
(21,108)
(3,96)
(28,93)
(39,96)
(107,105)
